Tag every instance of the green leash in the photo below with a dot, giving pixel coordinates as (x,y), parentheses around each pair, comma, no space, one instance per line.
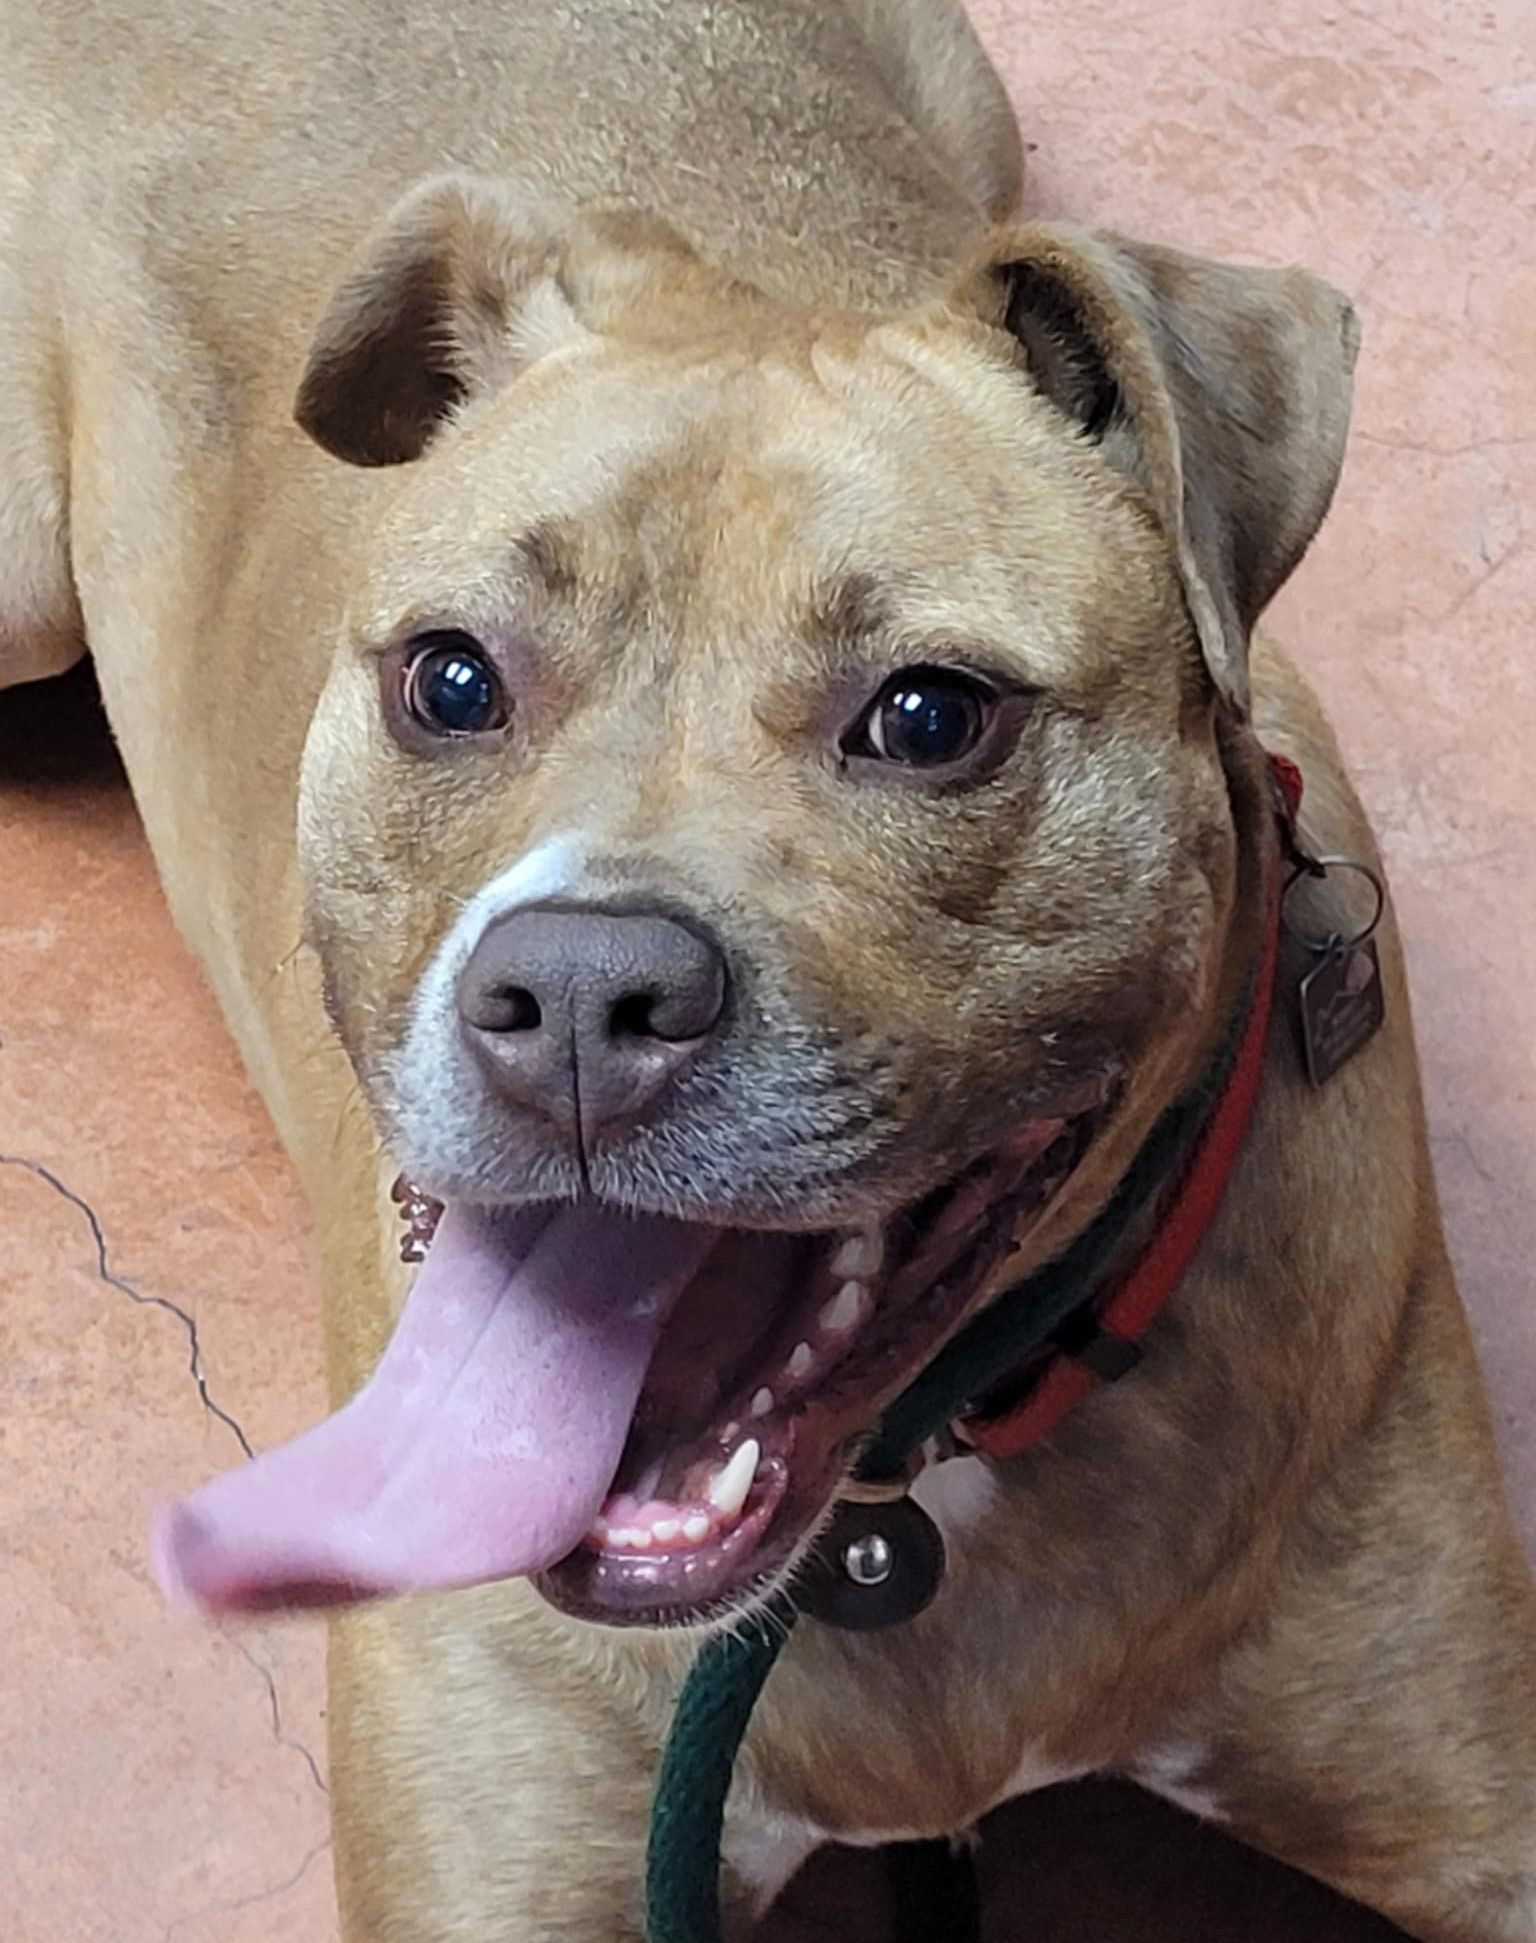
(722,1687)
(688,1809)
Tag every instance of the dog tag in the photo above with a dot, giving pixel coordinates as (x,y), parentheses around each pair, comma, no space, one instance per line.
(875,1565)
(1342,1008)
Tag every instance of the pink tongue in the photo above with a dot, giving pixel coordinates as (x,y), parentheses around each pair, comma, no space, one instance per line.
(484,1444)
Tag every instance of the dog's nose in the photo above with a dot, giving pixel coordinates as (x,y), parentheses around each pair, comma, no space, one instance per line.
(586,1016)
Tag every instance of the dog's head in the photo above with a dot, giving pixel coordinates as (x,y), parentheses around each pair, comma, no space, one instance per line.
(769,829)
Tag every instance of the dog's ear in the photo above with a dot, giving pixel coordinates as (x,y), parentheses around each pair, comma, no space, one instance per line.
(1223,391)
(461,287)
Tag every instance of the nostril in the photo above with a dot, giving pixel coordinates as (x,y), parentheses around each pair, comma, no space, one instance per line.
(675,1010)
(509,1008)
(634,1017)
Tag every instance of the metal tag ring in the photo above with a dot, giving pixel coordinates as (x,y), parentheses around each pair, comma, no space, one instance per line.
(1335,941)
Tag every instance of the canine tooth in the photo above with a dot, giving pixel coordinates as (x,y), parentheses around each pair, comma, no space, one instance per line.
(845,1309)
(666,1531)
(697,1527)
(801,1359)
(728,1491)
(859,1256)
(762,1403)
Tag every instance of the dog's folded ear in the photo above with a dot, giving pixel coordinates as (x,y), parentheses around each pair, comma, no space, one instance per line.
(463,285)
(1224,392)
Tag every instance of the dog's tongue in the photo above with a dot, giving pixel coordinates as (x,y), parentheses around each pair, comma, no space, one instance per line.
(485,1442)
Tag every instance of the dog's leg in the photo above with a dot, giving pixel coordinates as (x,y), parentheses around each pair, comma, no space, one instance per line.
(40,627)
(1378,1726)
(487,1785)
(937,70)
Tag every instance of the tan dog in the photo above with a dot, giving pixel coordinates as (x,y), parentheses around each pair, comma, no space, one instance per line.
(776,763)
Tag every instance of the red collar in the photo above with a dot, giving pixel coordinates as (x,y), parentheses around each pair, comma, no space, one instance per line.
(1102,1341)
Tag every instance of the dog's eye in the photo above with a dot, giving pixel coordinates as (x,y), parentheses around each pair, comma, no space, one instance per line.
(924,718)
(451,688)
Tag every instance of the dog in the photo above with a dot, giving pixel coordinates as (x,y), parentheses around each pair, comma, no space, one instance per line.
(693,684)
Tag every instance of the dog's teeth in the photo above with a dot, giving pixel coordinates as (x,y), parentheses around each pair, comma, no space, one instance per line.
(762,1403)
(697,1527)
(845,1310)
(801,1360)
(859,1256)
(667,1531)
(728,1492)
(640,1539)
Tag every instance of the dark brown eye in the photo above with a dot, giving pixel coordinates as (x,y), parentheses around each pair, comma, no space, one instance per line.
(924,718)
(451,686)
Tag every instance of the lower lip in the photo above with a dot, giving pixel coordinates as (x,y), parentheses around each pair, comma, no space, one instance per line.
(637,1589)
(632,1589)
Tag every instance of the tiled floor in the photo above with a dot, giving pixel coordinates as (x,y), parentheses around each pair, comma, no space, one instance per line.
(165,1782)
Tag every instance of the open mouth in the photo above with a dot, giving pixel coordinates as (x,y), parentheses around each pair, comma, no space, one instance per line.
(774,1365)
(651,1416)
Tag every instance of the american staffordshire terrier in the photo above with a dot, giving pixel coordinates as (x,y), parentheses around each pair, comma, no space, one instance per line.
(691,682)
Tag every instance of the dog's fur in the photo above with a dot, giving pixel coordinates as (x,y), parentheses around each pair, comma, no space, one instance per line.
(1270,1574)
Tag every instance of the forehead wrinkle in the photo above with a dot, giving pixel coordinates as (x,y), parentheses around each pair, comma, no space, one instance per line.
(707,499)
(752,522)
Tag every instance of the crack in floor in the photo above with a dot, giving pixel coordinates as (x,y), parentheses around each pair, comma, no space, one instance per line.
(280,1736)
(113,1280)
(274,1710)
(247,1902)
